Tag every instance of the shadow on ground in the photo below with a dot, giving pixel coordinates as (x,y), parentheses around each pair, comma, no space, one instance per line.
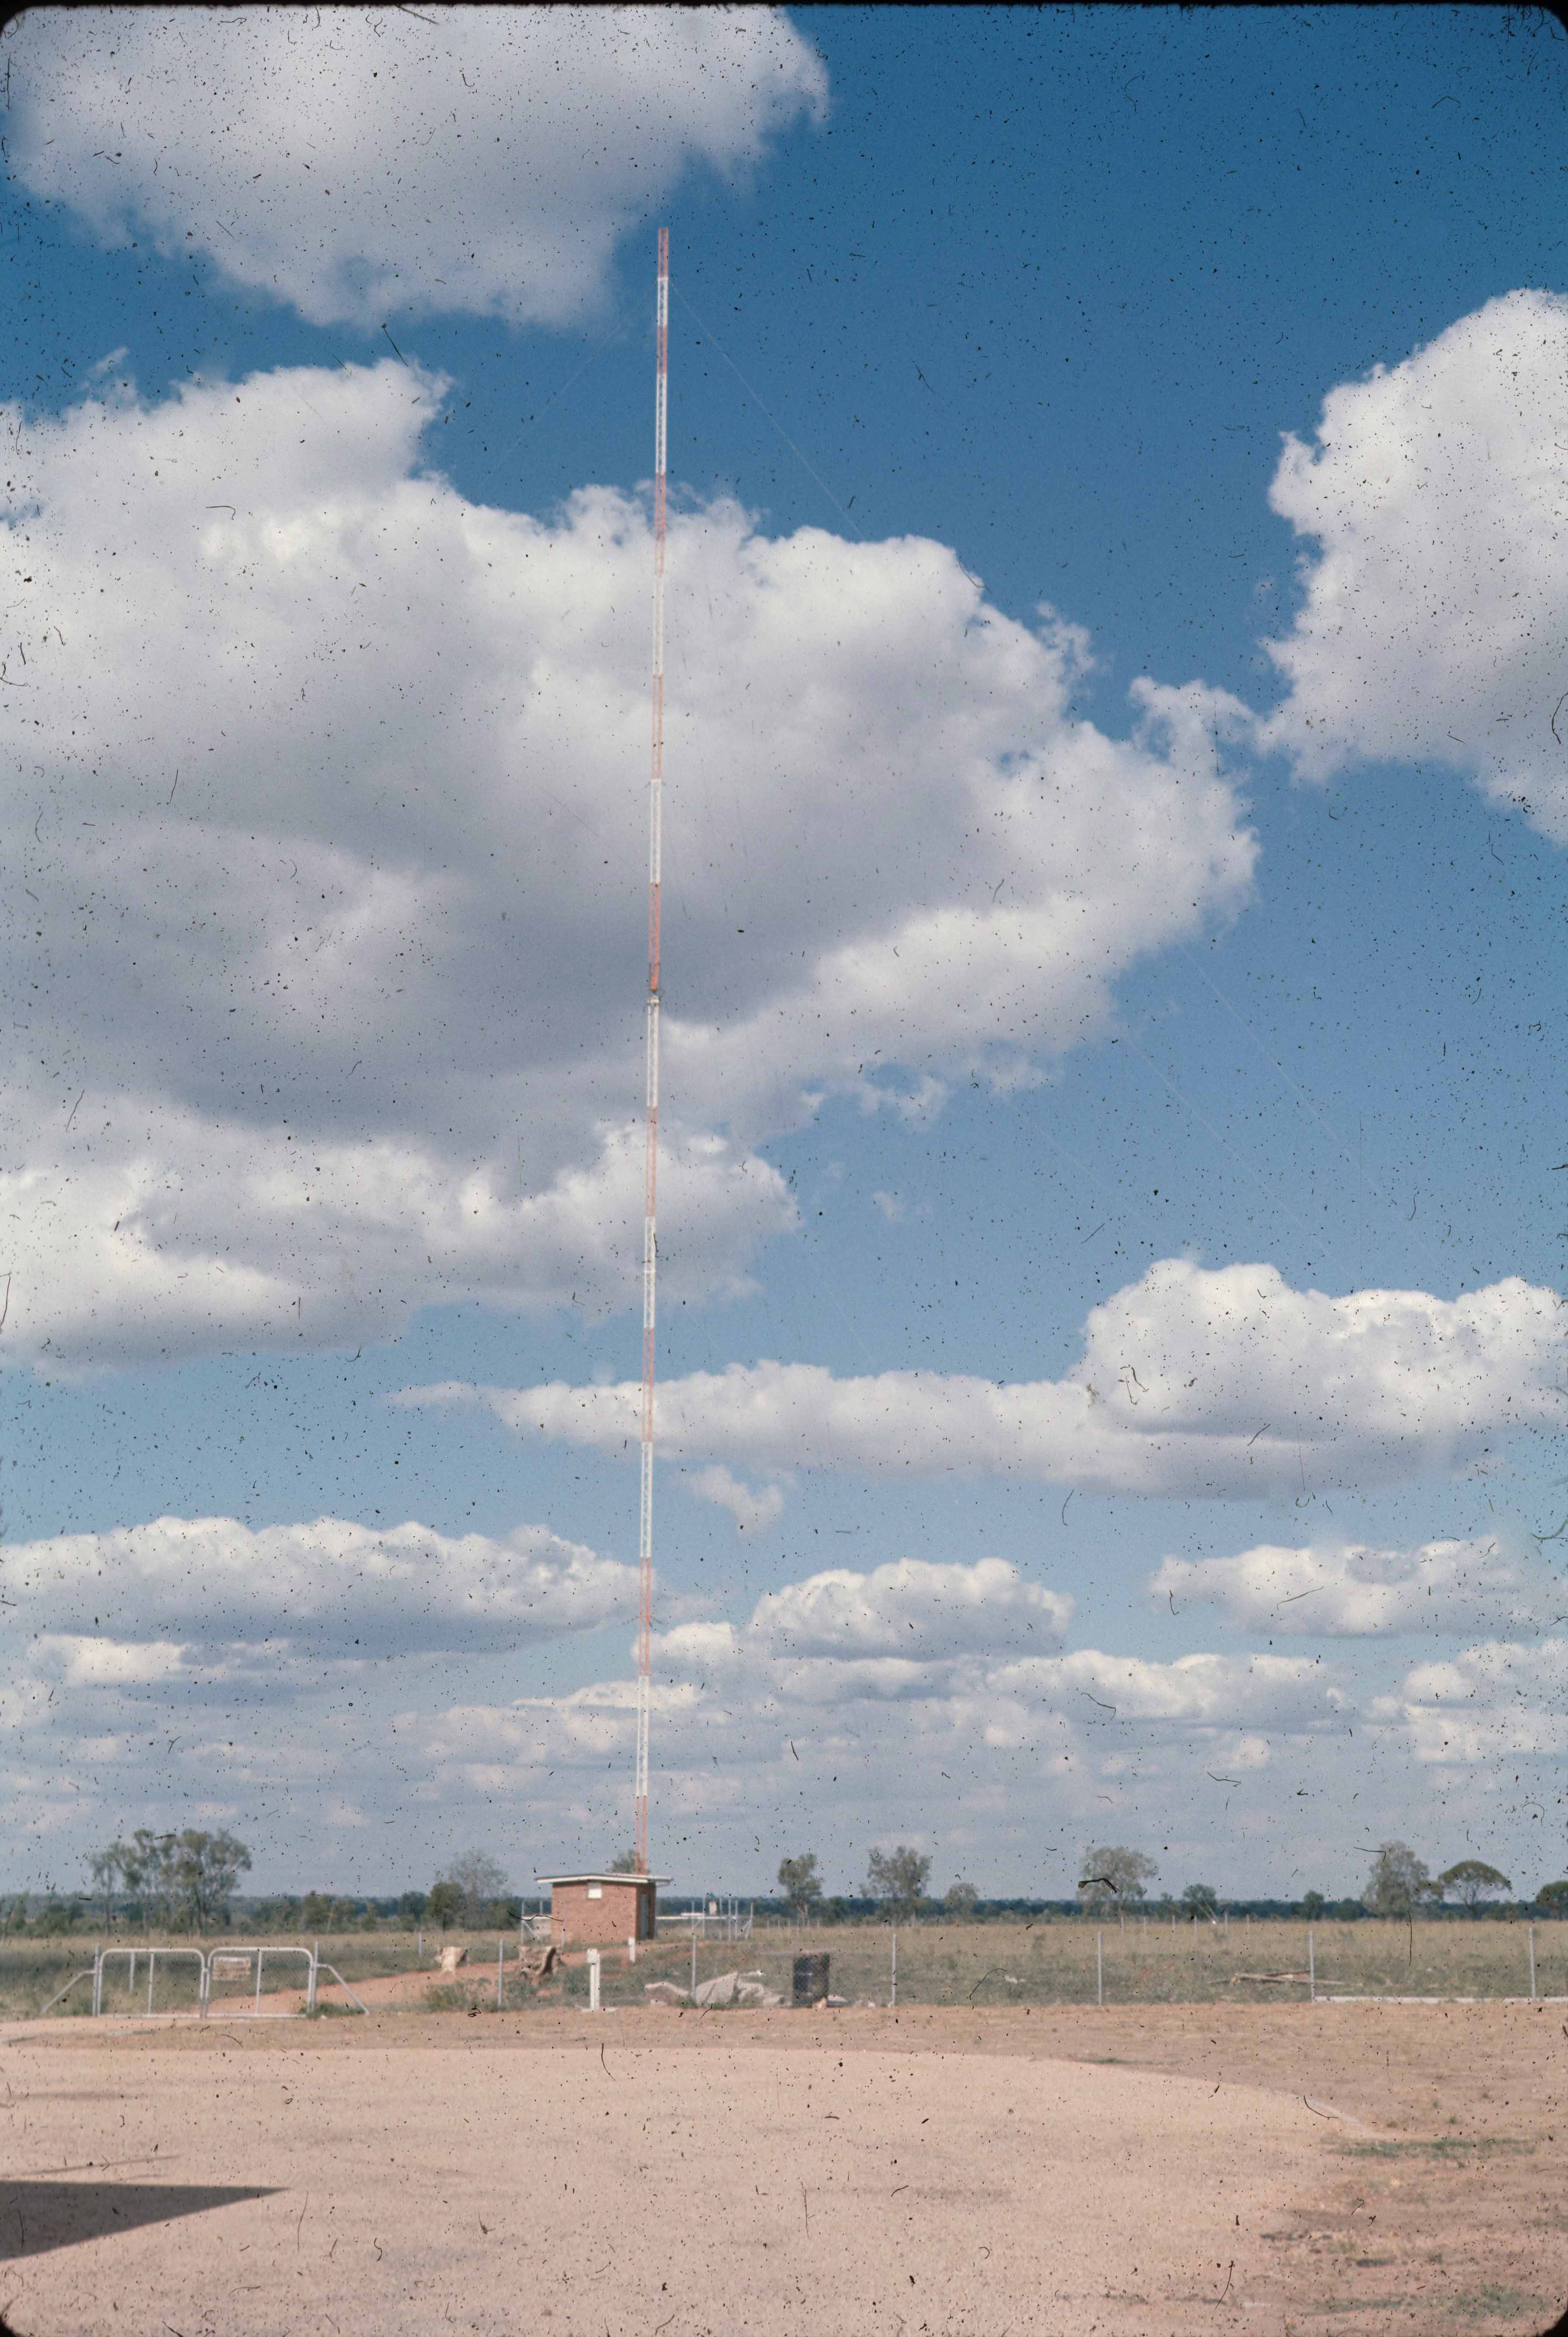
(38,2215)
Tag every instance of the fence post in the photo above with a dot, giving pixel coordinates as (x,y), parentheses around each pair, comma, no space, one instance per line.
(310,1983)
(151,1962)
(591,1960)
(1099,1967)
(893,1994)
(693,1961)
(500,1971)
(1531,1962)
(1311,1971)
(98,1978)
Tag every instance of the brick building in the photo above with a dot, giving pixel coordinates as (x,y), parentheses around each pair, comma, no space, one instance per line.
(601,1910)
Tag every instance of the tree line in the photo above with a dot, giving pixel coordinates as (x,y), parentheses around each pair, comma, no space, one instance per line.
(1114,1877)
(188,1882)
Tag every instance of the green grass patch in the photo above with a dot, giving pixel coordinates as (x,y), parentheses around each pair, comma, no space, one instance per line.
(1442,2146)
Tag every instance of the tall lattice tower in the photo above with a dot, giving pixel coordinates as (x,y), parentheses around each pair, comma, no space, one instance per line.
(651,1162)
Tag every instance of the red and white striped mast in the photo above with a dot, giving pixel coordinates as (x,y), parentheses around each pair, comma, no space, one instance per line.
(650,1163)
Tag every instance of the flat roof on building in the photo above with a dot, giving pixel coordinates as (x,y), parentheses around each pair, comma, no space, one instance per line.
(553,1879)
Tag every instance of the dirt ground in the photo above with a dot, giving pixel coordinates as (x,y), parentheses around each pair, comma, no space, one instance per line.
(1364,2169)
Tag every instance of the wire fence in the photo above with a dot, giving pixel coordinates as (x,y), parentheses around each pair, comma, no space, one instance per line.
(1053,1960)
(1144,1961)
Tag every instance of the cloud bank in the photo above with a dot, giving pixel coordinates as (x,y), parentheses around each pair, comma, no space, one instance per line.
(359,163)
(191,1594)
(933,1702)
(1224,1383)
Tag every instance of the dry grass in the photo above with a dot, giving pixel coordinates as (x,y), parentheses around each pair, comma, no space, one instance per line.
(1147,1962)
(1042,1963)
(31,1970)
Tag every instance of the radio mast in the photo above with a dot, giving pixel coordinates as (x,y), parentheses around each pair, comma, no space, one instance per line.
(651,1162)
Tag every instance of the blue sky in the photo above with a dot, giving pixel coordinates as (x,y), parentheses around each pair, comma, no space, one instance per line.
(1039,300)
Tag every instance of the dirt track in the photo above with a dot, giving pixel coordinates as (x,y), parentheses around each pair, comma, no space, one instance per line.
(1143,2171)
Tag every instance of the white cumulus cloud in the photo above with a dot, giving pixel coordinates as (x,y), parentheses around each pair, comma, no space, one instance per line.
(327,988)
(1433,507)
(1348,1589)
(1219,1381)
(356,162)
(1500,1700)
(114,1603)
(751,1506)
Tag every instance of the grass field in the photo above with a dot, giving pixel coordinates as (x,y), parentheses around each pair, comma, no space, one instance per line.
(938,1964)
(1146,1963)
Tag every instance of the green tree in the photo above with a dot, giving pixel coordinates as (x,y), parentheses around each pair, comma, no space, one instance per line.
(1471,1882)
(1113,1875)
(1201,1902)
(445,1905)
(960,1900)
(801,1884)
(898,1878)
(107,1869)
(624,1863)
(207,1866)
(477,1879)
(1312,1905)
(148,1864)
(315,1911)
(1398,1883)
(1553,1896)
(412,1906)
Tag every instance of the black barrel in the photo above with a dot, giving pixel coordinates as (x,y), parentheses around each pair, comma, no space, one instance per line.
(810,1980)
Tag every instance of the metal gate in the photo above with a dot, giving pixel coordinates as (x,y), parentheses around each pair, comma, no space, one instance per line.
(205,1960)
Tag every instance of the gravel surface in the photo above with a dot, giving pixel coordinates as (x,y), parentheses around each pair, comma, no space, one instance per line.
(802,2174)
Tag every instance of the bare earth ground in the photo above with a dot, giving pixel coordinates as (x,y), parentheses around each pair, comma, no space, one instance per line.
(1141,2170)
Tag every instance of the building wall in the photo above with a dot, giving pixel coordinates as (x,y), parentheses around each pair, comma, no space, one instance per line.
(600,1922)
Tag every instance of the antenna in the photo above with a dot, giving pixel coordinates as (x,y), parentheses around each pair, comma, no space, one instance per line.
(650,1165)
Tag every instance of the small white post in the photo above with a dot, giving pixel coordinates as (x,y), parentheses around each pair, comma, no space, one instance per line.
(693,1960)
(130,1983)
(419,1950)
(1311,1970)
(98,1981)
(1099,1967)
(259,1953)
(1531,1962)
(591,1960)
(500,1969)
(152,1958)
(310,1983)
(893,1996)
